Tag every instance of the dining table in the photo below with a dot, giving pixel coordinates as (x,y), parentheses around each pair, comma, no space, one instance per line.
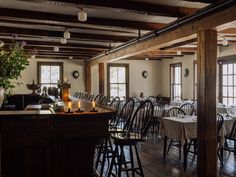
(184,128)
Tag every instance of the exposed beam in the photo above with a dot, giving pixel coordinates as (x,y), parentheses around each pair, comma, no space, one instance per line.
(60,57)
(206,113)
(176,35)
(179,44)
(55,43)
(146,8)
(78,36)
(50,18)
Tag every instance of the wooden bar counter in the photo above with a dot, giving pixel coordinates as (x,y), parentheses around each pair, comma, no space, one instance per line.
(42,143)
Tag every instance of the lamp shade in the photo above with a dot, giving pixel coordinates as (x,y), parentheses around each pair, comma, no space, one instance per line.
(63,41)
(82,15)
(225,42)
(66,34)
(56,49)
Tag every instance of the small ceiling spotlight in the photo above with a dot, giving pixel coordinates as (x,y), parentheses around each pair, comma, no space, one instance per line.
(70,57)
(179,52)
(82,15)
(225,42)
(56,49)
(66,34)
(146,58)
(33,56)
(63,41)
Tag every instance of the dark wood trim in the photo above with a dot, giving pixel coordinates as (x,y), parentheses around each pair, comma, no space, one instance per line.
(51,64)
(170,69)
(227,59)
(127,76)
(194,62)
(206,113)
(101,75)
(88,78)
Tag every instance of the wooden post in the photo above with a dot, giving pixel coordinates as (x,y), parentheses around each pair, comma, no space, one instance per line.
(101,78)
(206,127)
(88,78)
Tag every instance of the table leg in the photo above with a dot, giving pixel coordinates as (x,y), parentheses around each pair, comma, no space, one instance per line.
(185,154)
(164,148)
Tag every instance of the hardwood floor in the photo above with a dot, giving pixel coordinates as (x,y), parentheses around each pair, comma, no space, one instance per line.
(155,166)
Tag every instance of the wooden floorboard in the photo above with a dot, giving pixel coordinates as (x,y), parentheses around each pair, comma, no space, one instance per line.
(155,166)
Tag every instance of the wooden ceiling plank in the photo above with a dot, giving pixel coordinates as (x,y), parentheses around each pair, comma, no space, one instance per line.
(140,7)
(47,33)
(50,18)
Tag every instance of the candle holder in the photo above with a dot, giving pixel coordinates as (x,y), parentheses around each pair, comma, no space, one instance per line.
(79,110)
(93,110)
(69,111)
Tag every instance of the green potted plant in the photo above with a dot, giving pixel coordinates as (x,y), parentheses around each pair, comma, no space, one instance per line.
(12,62)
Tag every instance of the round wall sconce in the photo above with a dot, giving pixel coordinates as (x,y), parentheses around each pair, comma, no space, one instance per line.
(75,74)
(144,74)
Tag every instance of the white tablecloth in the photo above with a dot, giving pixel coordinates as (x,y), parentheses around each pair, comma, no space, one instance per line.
(186,128)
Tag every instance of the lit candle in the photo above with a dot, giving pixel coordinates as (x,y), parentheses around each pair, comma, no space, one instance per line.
(69,106)
(65,80)
(79,105)
(93,104)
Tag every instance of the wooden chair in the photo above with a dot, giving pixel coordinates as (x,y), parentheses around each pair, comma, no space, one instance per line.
(90,98)
(173,112)
(158,113)
(231,137)
(187,108)
(152,99)
(104,101)
(134,132)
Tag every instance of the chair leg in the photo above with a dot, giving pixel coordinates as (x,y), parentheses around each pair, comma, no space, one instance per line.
(120,160)
(114,154)
(139,161)
(132,159)
(169,145)
(99,154)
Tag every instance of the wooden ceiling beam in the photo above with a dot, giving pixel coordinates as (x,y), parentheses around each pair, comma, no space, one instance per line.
(140,7)
(176,35)
(179,44)
(59,34)
(50,18)
(59,57)
(55,43)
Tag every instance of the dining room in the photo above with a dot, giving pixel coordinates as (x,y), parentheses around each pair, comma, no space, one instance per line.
(129,88)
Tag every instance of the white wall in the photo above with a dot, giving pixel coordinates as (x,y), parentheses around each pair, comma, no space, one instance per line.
(187,82)
(30,73)
(94,79)
(187,62)
(137,84)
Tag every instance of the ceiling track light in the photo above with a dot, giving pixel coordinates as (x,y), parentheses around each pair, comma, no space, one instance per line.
(225,42)
(56,49)
(179,52)
(66,34)
(63,41)
(82,15)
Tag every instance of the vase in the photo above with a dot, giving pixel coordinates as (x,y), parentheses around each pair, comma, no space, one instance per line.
(2,91)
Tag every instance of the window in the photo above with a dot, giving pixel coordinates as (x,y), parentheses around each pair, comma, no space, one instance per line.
(227,82)
(176,80)
(195,79)
(118,80)
(49,73)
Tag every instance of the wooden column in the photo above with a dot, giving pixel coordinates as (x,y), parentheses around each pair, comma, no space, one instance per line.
(207,141)
(88,78)
(101,75)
